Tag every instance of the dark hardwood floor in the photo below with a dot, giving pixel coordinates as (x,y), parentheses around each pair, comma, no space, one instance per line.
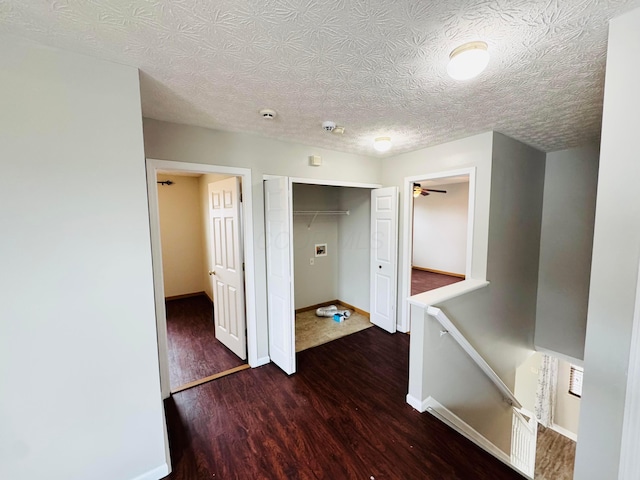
(194,351)
(422,281)
(342,416)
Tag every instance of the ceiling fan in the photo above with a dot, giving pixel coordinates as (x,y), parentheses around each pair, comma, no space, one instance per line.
(418,190)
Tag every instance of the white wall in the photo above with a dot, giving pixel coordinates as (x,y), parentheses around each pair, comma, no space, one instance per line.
(566,242)
(567,413)
(317,283)
(79,363)
(527,381)
(354,235)
(616,253)
(169,141)
(440,229)
(181,234)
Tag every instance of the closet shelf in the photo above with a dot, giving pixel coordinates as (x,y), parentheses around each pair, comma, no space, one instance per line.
(315,213)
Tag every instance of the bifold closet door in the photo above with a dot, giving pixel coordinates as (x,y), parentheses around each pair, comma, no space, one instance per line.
(280,309)
(384,257)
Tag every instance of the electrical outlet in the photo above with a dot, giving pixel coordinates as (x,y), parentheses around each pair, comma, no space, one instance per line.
(312,261)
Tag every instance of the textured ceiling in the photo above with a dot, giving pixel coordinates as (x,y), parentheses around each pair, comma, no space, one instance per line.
(378,67)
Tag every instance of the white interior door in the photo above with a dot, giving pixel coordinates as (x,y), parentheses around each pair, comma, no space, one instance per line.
(280,309)
(384,257)
(227,270)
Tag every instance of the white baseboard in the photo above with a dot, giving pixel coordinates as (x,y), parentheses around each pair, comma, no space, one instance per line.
(155,474)
(419,405)
(261,361)
(563,431)
(448,417)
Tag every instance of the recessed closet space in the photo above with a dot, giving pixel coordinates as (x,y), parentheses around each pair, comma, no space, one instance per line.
(331,256)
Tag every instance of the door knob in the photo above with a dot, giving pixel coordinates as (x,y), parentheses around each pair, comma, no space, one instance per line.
(212,272)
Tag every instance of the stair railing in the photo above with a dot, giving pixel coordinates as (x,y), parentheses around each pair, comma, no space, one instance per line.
(451,329)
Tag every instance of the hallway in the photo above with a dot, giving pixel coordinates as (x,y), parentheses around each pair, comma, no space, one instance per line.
(343,415)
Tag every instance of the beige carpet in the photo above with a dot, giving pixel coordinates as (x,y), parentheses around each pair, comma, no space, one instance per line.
(312,331)
(555,455)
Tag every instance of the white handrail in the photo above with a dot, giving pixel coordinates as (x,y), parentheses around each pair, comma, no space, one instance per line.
(451,329)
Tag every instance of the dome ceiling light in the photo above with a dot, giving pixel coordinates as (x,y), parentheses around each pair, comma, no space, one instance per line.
(382,144)
(468,60)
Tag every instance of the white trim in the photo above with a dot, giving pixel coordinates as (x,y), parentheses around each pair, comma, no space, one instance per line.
(266,176)
(153,165)
(420,406)
(158,281)
(563,431)
(439,295)
(561,356)
(452,420)
(155,474)
(261,361)
(333,183)
(404,324)
(457,335)
(630,444)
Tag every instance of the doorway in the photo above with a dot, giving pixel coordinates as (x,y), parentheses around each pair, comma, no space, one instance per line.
(375,271)
(331,237)
(440,222)
(197,305)
(201,261)
(431,219)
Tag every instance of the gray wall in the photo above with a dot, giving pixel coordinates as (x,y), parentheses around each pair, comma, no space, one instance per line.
(616,253)
(471,152)
(317,283)
(344,273)
(499,320)
(79,371)
(501,317)
(568,215)
(354,232)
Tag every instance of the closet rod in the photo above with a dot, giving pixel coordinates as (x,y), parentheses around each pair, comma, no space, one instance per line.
(315,213)
(321,212)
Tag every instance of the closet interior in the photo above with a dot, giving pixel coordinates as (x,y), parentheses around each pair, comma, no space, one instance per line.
(331,257)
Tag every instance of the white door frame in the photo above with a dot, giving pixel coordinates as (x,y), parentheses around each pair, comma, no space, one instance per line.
(404,323)
(153,166)
(310,181)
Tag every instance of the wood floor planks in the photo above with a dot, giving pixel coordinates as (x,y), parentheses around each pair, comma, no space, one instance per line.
(342,416)
(423,281)
(194,352)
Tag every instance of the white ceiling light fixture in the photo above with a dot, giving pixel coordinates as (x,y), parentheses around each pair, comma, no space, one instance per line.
(468,60)
(382,144)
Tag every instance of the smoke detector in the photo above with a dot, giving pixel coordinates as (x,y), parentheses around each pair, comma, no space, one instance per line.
(268,114)
(329,126)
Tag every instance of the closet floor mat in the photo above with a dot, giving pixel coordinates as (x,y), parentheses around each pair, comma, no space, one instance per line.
(312,331)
